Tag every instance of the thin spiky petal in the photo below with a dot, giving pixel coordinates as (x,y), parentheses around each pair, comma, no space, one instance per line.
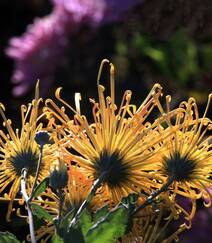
(120,142)
(19,150)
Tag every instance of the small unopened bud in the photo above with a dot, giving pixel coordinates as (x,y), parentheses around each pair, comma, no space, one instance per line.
(42,138)
(59,176)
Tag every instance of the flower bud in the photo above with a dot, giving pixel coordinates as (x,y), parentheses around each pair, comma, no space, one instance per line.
(59,176)
(42,138)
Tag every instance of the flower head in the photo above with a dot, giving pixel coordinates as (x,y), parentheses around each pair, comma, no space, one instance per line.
(19,150)
(119,146)
(187,156)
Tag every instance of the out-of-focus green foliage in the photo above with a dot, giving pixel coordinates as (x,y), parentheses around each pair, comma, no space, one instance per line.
(179,62)
(6,237)
(175,59)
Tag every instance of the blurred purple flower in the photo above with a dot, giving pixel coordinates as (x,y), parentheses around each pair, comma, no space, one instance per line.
(201,223)
(201,228)
(39,51)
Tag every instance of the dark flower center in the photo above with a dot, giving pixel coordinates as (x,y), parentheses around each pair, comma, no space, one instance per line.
(178,167)
(25,159)
(113,167)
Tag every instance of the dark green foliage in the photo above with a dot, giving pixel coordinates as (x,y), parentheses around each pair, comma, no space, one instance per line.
(56,239)
(40,187)
(109,228)
(100,213)
(103,226)
(6,237)
(74,235)
(40,212)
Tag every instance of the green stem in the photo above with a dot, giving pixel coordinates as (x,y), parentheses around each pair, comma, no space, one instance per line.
(91,194)
(60,208)
(149,200)
(27,200)
(37,171)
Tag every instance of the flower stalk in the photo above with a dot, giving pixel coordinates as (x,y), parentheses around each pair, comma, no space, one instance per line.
(90,196)
(27,200)
(61,200)
(37,171)
(150,199)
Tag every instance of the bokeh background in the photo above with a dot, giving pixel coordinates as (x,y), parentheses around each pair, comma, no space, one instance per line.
(148,41)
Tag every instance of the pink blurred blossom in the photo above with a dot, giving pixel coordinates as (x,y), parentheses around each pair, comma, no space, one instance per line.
(39,51)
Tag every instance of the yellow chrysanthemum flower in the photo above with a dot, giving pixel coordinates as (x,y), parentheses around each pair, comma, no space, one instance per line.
(119,147)
(19,150)
(187,156)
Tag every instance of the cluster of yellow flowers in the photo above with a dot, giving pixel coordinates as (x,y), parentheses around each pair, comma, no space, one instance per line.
(164,161)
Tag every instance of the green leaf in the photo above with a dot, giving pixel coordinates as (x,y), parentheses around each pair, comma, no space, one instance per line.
(38,222)
(100,213)
(85,222)
(74,235)
(130,203)
(7,237)
(65,220)
(56,239)
(40,188)
(130,199)
(109,228)
(40,212)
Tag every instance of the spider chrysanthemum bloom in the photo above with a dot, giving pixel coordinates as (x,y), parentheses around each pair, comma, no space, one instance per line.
(18,150)
(119,146)
(187,159)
